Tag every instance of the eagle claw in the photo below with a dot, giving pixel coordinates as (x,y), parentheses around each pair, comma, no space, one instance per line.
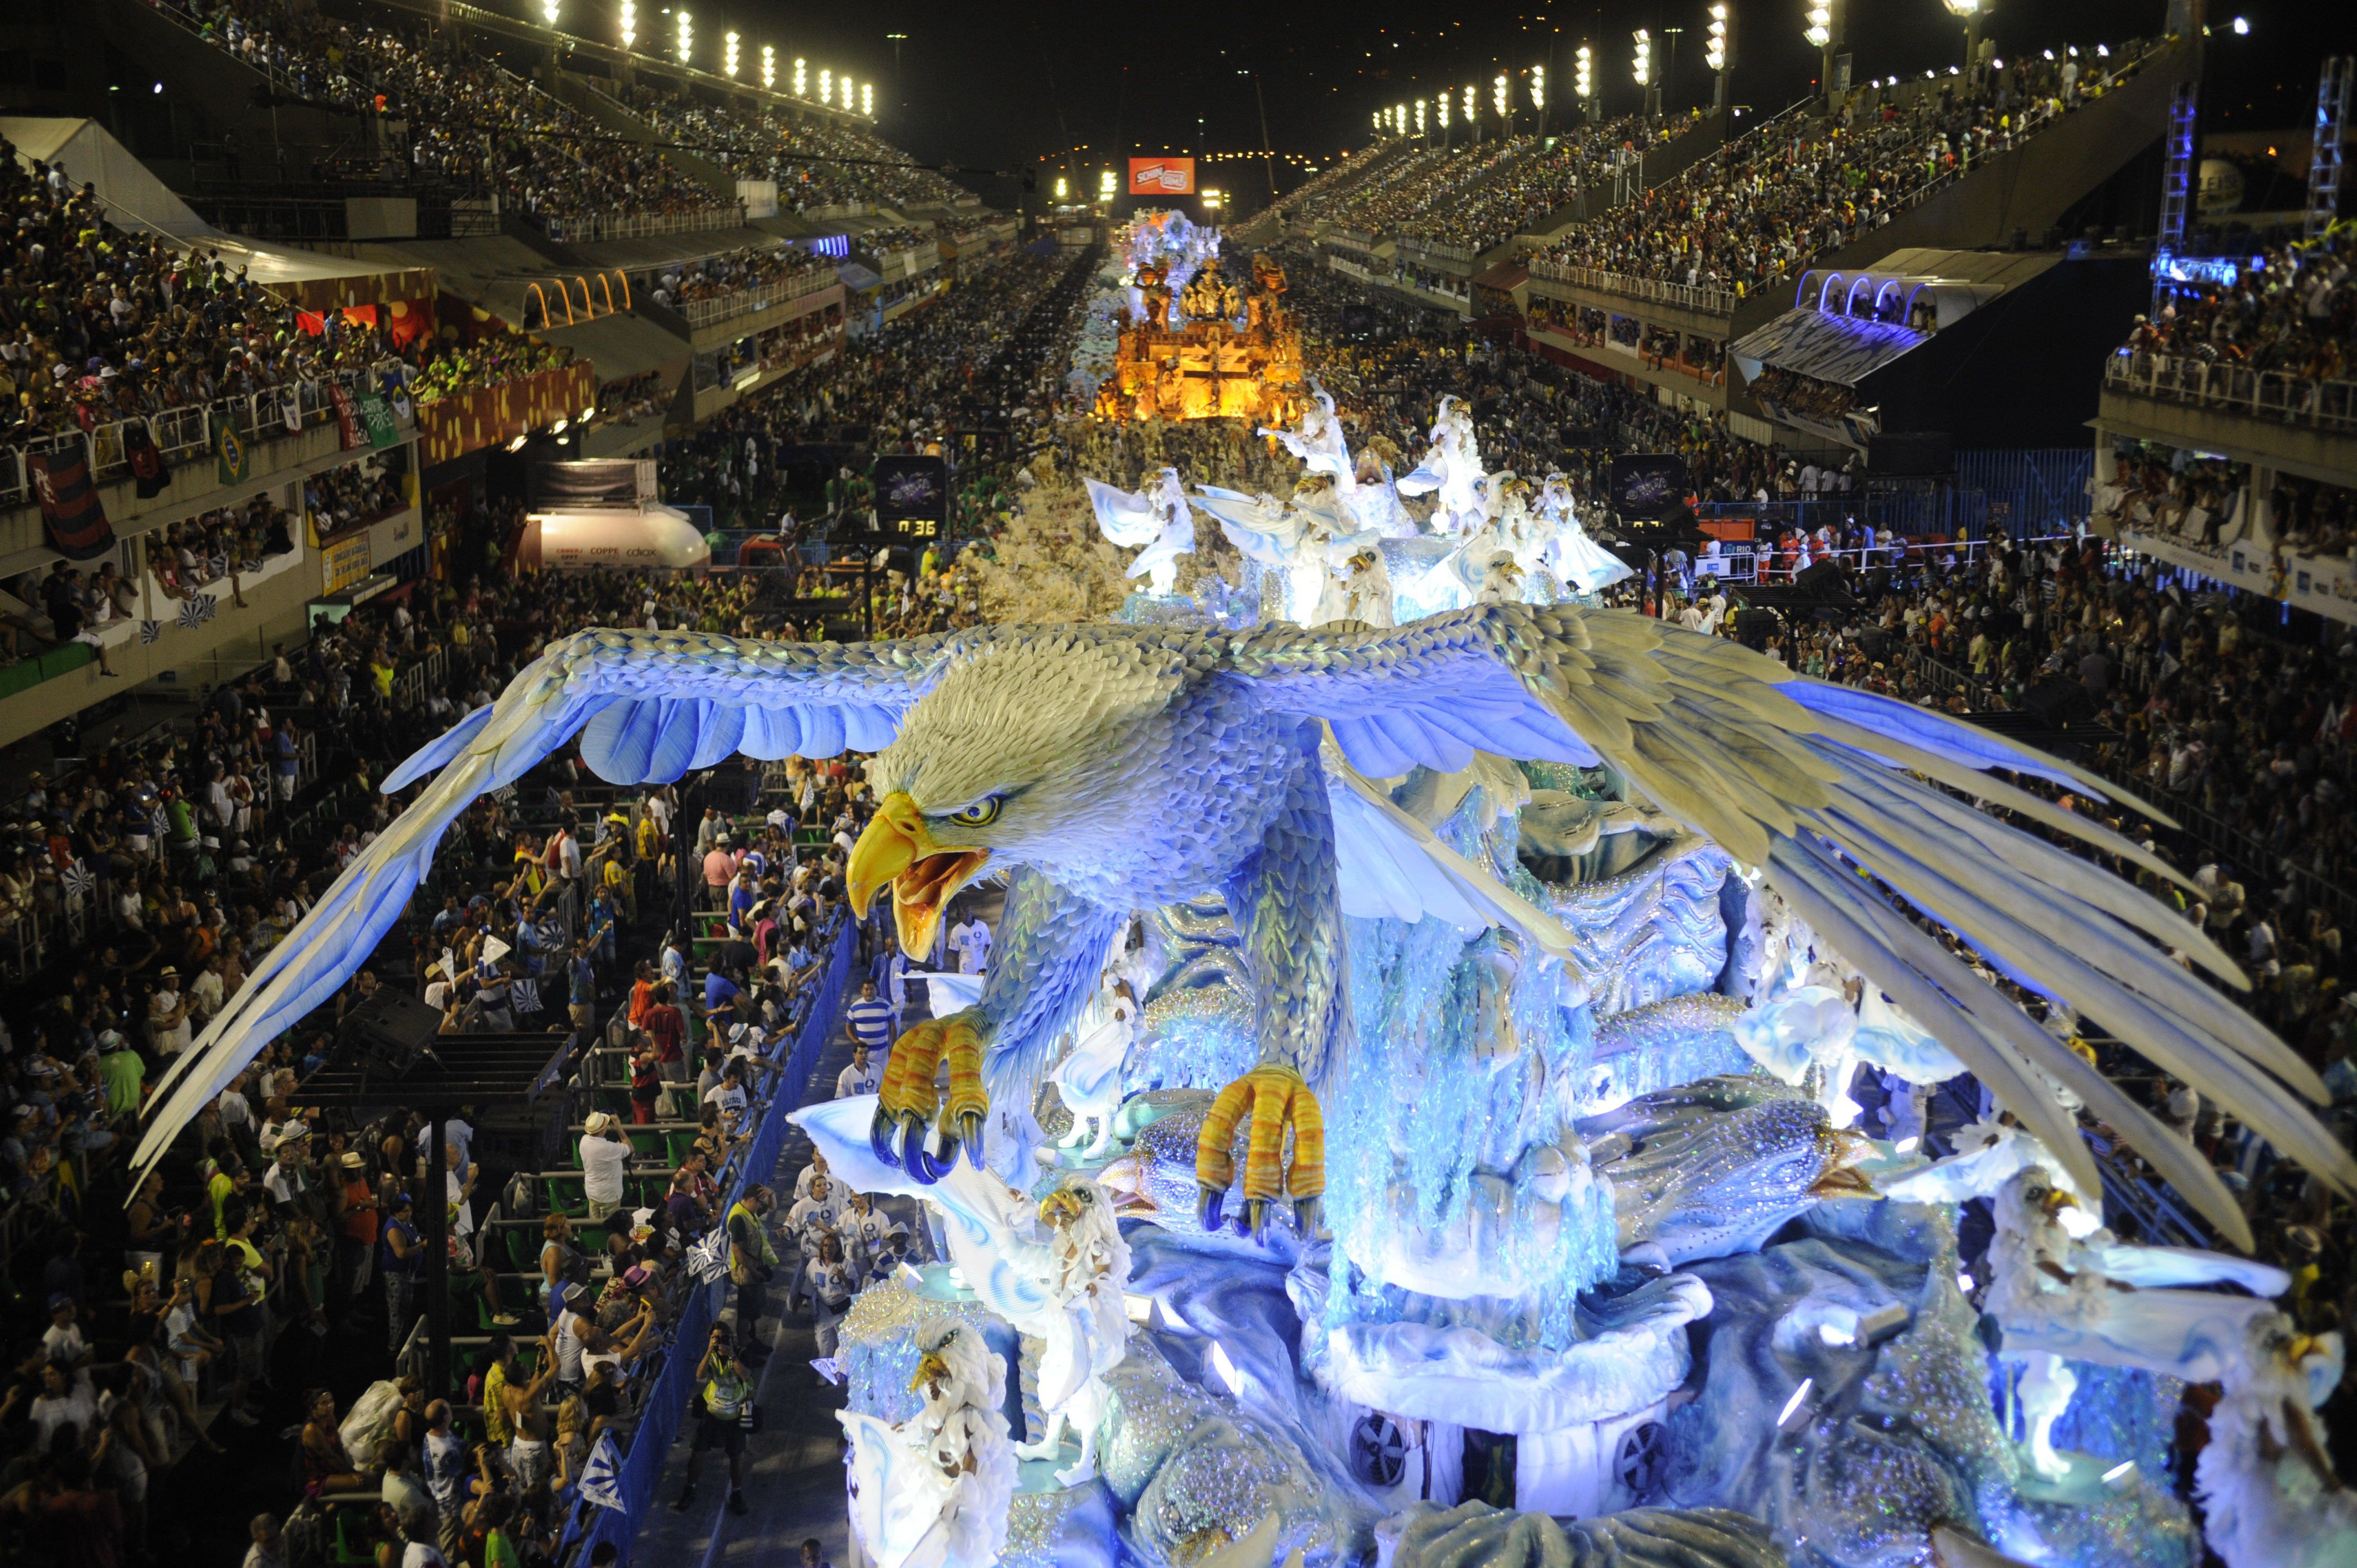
(907,1097)
(1275,1101)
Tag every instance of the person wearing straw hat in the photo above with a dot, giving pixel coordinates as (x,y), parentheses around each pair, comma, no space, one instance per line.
(605,1153)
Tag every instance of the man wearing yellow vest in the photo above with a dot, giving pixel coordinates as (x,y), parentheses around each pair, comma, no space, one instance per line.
(751,1262)
(728,1412)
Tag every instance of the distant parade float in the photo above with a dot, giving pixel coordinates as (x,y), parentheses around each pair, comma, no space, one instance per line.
(1194,341)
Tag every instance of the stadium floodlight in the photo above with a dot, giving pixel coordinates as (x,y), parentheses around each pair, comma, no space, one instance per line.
(1498,94)
(1640,59)
(1104,185)
(1419,117)
(729,56)
(1582,84)
(802,77)
(826,87)
(1377,116)
(868,99)
(1399,117)
(1538,87)
(1820,30)
(846,91)
(630,23)
(687,36)
(1472,105)
(548,9)
(1211,201)
(768,67)
(1714,52)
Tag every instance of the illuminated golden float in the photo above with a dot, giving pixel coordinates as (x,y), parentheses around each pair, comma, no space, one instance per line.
(1224,353)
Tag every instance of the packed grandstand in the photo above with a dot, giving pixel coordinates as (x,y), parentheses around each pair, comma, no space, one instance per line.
(329,486)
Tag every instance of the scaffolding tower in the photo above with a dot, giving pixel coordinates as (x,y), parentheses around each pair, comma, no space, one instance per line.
(2176,185)
(2324,158)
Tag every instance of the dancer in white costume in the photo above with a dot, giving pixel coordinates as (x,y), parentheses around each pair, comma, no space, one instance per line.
(1452,469)
(1577,562)
(1155,521)
(2057,1296)
(1089,1336)
(2265,1478)
(1089,1078)
(933,1491)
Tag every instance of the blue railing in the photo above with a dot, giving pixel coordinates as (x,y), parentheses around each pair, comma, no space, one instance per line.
(666,1403)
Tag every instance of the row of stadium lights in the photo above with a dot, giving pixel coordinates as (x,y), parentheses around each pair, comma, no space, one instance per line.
(833,92)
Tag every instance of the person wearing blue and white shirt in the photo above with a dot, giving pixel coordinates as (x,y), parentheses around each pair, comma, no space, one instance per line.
(863,1076)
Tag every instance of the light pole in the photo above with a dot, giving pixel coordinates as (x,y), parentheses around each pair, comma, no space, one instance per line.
(1538,96)
(897,39)
(1825,30)
(1640,70)
(1473,113)
(1504,102)
(1714,54)
(1583,84)
(1970,10)
(1443,101)
(1671,69)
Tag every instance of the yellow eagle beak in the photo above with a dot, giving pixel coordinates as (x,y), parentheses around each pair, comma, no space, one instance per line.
(899,848)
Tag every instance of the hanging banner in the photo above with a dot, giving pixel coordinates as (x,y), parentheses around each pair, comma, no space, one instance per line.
(1162,177)
(71,511)
(376,417)
(228,453)
(348,417)
(149,472)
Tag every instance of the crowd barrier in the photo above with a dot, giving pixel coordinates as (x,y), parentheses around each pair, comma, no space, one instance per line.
(668,1397)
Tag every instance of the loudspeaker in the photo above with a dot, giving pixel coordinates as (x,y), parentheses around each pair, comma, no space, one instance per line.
(1823,576)
(392,1029)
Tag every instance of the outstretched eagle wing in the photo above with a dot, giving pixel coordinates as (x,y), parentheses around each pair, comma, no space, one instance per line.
(1832,795)
(649,706)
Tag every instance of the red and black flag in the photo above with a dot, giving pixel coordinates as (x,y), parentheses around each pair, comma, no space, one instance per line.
(70,505)
(149,472)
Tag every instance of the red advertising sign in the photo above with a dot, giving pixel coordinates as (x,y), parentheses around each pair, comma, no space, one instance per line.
(1162,177)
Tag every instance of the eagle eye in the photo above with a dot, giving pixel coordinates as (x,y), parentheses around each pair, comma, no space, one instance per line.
(981,814)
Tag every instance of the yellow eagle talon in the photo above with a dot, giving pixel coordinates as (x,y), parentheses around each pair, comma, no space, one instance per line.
(1276,1101)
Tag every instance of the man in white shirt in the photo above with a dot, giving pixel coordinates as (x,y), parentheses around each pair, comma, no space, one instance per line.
(863,1076)
(970,939)
(814,1214)
(167,1018)
(729,1092)
(605,1151)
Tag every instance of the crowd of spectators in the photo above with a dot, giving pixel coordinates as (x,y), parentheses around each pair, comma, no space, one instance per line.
(900,389)
(780,269)
(2291,309)
(1539,176)
(265,1277)
(470,122)
(816,159)
(99,326)
(1772,201)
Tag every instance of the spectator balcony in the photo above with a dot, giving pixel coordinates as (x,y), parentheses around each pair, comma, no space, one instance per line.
(463,421)
(2272,419)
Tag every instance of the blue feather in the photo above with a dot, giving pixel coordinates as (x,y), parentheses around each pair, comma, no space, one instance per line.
(1922,728)
(772,733)
(1370,751)
(722,732)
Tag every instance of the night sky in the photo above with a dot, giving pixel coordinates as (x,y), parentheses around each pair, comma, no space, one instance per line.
(1000,86)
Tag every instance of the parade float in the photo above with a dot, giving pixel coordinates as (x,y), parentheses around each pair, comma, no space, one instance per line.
(1481,1092)
(1193,340)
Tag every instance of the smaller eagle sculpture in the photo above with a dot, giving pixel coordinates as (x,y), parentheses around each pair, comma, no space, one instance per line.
(1106,769)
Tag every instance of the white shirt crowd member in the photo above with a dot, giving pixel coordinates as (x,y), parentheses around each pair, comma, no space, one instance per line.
(970,940)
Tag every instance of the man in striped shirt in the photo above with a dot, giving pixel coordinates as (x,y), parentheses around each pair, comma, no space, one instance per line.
(870,1019)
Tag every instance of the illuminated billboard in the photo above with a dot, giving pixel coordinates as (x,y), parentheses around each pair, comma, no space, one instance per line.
(1162,177)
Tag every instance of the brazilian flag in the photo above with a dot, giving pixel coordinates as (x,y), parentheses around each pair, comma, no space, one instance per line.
(228,453)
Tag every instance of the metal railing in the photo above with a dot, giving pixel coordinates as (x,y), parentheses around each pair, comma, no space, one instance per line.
(2275,395)
(745,301)
(589,228)
(189,431)
(1691,296)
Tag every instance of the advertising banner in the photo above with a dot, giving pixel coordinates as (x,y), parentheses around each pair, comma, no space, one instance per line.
(1162,177)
